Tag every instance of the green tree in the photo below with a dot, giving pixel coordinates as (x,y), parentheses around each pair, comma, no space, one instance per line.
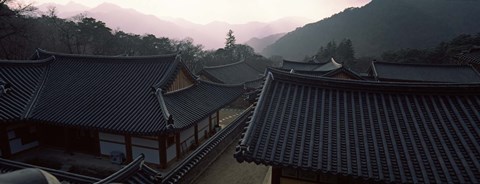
(230,40)
(344,52)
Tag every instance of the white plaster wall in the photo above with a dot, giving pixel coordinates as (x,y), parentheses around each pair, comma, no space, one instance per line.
(17,146)
(186,134)
(107,147)
(111,137)
(171,153)
(203,123)
(151,155)
(144,142)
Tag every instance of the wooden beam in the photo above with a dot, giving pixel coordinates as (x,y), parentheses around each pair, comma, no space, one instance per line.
(162,151)
(66,140)
(178,145)
(276,174)
(218,117)
(209,124)
(196,134)
(4,143)
(128,147)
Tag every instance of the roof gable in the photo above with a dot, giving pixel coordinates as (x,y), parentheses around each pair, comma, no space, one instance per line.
(304,66)
(109,93)
(390,132)
(235,73)
(20,83)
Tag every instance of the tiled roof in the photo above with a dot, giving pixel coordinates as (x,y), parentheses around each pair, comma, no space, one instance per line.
(235,73)
(389,132)
(135,172)
(424,73)
(7,166)
(331,73)
(197,102)
(472,57)
(21,80)
(347,71)
(199,155)
(108,93)
(304,66)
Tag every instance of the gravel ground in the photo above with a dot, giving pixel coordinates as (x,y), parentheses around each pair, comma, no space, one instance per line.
(227,170)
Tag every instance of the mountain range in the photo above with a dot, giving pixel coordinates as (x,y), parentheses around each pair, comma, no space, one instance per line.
(211,35)
(383,25)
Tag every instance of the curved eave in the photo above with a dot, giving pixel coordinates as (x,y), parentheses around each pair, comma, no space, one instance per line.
(100,129)
(41,61)
(244,158)
(176,128)
(40,51)
(223,66)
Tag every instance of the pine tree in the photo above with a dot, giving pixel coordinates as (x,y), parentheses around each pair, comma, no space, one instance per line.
(230,40)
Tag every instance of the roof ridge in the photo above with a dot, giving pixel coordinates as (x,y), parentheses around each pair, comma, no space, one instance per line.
(37,92)
(226,65)
(41,61)
(419,64)
(169,74)
(378,86)
(305,63)
(223,85)
(106,57)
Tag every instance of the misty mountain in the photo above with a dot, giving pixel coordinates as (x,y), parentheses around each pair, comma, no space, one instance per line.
(384,25)
(211,35)
(258,44)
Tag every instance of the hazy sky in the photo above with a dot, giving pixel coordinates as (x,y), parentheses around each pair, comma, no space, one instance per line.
(232,11)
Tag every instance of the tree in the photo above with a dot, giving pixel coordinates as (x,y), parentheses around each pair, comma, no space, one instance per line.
(230,40)
(14,27)
(344,52)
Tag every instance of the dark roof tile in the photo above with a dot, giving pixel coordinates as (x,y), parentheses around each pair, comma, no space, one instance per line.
(390,132)
(108,93)
(21,80)
(424,73)
(235,73)
(304,66)
(197,102)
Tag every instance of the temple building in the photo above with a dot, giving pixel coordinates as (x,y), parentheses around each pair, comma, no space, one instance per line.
(99,105)
(321,130)
(429,73)
(470,57)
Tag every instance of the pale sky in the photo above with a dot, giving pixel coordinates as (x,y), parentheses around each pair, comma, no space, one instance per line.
(232,11)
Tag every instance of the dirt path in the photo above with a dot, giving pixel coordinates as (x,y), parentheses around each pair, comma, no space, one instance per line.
(227,170)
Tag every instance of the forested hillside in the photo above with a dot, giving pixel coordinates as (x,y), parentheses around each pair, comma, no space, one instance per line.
(384,25)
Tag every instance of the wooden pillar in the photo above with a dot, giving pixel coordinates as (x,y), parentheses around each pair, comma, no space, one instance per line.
(128,147)
(276,173)
(178,145)
(218,118)
(4,142)
(209,124)
(97,143)
(162,151)
(66,140)
(196,134)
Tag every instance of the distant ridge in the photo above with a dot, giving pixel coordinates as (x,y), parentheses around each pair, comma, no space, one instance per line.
(211,35)
(383,25)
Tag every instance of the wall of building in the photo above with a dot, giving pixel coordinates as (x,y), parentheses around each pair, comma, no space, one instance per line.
(111,142)
(203,128)
(147,146)
(187,138)
(21,138)
(171,153)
